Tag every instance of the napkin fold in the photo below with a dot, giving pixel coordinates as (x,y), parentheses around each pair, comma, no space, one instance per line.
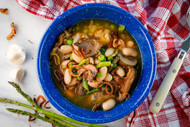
(166,21)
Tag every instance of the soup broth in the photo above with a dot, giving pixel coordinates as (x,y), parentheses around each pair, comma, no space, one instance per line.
(94,62)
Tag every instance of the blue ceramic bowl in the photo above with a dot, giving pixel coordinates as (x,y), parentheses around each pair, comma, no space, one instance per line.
(108,12)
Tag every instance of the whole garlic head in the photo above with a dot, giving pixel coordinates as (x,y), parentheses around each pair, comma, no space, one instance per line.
(17,75)
(16,54)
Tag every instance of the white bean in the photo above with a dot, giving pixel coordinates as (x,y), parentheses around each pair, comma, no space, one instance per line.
(65,49)
(120,71)
(129,52)
(76,37)
(103,71)
(108,77)
(130,44)
(109,52)
(67,77)
(109,104)
(91,60)
(17,75)
(77,58)
(64,64)
(96,61)
(16,54)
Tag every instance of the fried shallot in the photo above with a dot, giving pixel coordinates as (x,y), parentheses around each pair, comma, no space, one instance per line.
(4,11)
(13,32)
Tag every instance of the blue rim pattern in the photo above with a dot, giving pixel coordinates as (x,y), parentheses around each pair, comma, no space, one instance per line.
(115,14)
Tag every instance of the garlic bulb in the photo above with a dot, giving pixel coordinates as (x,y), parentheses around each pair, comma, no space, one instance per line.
(17,75)
(16,54)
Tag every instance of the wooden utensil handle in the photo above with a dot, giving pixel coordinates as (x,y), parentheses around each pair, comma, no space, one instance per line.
(164,88)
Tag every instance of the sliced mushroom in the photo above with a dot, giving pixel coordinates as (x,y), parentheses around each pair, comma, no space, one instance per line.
(93,84)
(92,71)
(125,61)
(89,47)
(78,36)
(64,64)
(118,43)
(16,54)
(17,75)
(65,56)
(100,32)
(77,58)
(108,104)
(80,90)
(125,82)
(73,82)
(103,71)
(96,107)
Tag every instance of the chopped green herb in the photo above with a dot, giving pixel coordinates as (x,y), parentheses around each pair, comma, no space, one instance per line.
(83,62)
(103,64)
(110,58)
(101,57)
(112,26)
(69,42)
(92,91)
(115,66)
(85,85)
(70,65)
(121,28)
(71,58)
(78,78)
(102,50)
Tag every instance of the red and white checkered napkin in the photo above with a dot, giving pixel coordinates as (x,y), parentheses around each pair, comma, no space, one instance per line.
(166,22)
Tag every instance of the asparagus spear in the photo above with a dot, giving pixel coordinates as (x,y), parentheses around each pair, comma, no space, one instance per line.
(35,107)
(17,111)
(52,115)
(19,90)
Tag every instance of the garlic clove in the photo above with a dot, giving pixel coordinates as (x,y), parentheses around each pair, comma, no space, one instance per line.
(16,54)
(17,75)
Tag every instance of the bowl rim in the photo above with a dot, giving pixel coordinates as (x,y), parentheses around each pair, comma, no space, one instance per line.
(148,88)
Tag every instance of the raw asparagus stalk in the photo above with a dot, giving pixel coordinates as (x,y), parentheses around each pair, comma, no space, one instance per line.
(4,100)
(17,111)
(19,90)
(37,108)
